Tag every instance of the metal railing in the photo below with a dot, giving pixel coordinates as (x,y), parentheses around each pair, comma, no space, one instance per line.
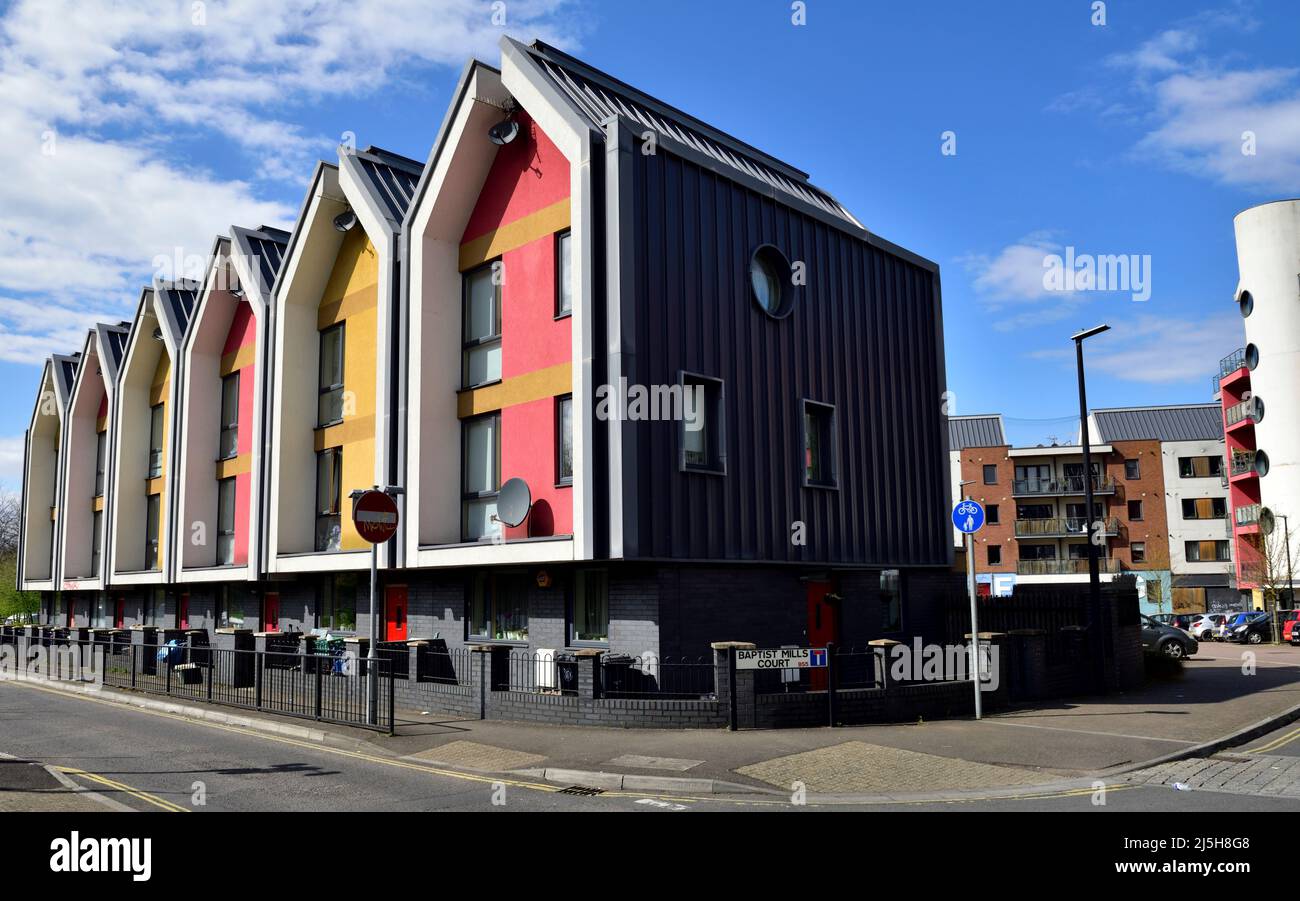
(1064,528)
(1242,462)
(327,688)
(1247,514)
(664,678)
(1247,409)
(1068,567)
(1065,485)
(1230,364)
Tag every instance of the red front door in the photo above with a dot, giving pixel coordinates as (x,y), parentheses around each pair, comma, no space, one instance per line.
(823,624)
(395,613)
(72,617)
(119,613)
(183,611)
(271,611)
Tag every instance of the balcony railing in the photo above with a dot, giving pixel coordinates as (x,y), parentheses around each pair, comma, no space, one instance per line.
(1232,362)
(1247,515)
(1062,528)
(1247,409)
(1067,485)
(1243,463)
(1067,567)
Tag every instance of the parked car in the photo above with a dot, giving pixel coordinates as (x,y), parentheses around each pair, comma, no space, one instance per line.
(1295,636)
(1256,628)
(1165,640)
(1203,628)
(1230,622)
(1287,620)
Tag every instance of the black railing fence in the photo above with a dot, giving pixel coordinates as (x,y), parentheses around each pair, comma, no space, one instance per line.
(326,687)
(648,676)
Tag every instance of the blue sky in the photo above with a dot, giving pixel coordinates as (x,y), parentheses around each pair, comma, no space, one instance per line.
(143,129)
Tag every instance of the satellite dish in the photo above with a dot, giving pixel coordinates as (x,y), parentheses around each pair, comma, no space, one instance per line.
(504,132)
(513,502)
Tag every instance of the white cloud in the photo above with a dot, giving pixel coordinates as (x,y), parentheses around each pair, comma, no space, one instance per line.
(1014,273)
(93,94)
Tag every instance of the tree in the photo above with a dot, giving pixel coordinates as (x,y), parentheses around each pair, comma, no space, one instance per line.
(12,601)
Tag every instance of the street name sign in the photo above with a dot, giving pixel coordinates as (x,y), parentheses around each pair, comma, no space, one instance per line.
(781,658)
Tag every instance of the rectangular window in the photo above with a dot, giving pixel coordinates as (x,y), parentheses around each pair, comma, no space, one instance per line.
(101,461)
(1037,552)
(155,440)
(1207,551)
(155,607)
(338,603)
(1135,511)
(480,475)
(1138,551)
(995,555)
(499,607)
(590,606)
(152,511)
(96,541)
(1200,467)
(226,522)
(992,516)
(1035,511)
(329,403)
(702,435)
(230,607)
(891,600)
(228,445)
(1205,508)
(819,449)
(1132,469)
(990,474)
(564,274)
(481,357)
(329,480)
(564,440)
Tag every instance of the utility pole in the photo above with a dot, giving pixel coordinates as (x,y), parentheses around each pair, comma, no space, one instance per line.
(1094,575)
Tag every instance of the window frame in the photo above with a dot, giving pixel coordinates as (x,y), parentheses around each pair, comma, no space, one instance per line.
(1137,469)
(829,452)
(992,515)
(561,437)
(984,474)
(158,410)
(1141,517)
(715,413)
(101,462)
(328,606)
(227,426)
(989,555)
(152,522)
(898,624)
(488,580)
(321,389)
(571,609)
(96,542)
(229,533)
(1137,551)
(470,344)
(467,496)
(561,270)
(336,474)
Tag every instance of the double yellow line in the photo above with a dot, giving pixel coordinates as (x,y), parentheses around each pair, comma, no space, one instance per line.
(1276,743)
(156,801)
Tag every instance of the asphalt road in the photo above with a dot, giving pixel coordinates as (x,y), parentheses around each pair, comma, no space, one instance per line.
(152,761)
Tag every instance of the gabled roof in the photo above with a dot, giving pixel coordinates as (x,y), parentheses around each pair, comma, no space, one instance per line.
(390,178)
(267,246)
(179,299)
(65,370)
(115,339)
(597,96)
(980,430)
(1184,422)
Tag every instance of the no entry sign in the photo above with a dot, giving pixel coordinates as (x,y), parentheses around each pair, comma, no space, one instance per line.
(375,516)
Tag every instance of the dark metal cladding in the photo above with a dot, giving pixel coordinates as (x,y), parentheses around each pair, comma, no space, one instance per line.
(865,335)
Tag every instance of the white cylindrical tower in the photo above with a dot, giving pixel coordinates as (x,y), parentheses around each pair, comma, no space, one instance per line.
(1268,259)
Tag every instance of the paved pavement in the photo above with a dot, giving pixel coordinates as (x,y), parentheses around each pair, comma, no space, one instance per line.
(1267,767)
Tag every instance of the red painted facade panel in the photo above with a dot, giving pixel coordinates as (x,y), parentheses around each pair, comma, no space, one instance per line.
(529,174)
(243,333)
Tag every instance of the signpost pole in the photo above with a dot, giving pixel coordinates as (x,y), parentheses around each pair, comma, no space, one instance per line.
(974,620)
(372,658)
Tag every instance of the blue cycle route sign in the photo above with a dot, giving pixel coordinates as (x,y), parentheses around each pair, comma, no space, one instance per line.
(968,517)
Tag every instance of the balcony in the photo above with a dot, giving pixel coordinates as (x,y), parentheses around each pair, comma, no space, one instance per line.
(1232,362)
(1057,487)
(1242,463)
(1067,567)
(1251,410)
(1250,515)
(1071,527)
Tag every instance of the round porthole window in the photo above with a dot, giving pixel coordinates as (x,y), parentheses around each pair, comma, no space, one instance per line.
(1257,409)
(1252,357)
(1266,521)
(1247,304)
(769,280)
(1261,463)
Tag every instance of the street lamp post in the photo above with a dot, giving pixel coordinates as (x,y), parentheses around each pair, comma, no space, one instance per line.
(1094,574)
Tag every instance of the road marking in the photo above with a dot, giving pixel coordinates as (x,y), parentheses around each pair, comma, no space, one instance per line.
(552,789)
(1175,741)
(1276,743)
(139,794)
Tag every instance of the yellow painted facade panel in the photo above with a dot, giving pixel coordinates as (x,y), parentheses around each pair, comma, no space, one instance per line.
(519,389)
(525,230)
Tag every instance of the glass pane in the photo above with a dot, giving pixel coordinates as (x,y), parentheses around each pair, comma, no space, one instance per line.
(100,450)
(226,506)
(482,364)
(696,432)
(225,550)
(566,274)
(812,447)
(331,357)
(230,401)
(591,606)
(511,608)
(478,614)
(478,518)
(566,439)
(328,470)
(329,532)
(765,285)
(482,319)
(481,456)
(329,407)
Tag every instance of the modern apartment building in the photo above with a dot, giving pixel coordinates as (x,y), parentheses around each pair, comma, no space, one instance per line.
(1159,507)
(687,351)
(1264,376)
